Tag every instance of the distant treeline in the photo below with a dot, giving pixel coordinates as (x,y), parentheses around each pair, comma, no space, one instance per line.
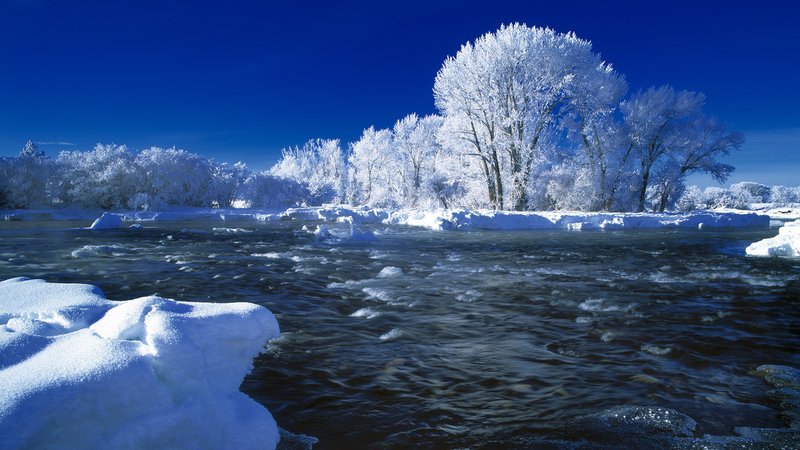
(115,178)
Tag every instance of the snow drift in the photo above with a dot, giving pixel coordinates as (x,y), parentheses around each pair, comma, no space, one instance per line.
(80,371)
(786,243)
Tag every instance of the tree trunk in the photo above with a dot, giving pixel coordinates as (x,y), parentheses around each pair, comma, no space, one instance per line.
(643,192)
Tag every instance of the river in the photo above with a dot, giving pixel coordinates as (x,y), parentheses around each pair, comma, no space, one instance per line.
(482,339)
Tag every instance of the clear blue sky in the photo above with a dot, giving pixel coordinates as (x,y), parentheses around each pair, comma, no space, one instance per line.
(240,80)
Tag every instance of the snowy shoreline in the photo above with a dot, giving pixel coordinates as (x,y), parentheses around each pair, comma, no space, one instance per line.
(787,243)
(435,219)
(81,371)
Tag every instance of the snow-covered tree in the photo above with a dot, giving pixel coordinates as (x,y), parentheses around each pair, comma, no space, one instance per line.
(659,124)
(783,195)
(226,182)
(507,93)
(373,169)
(31,151)
(27,179)
(602,154)
(5,185)
(171,177)
(320,165)
(706,140)
(421,163)
(102,178)
(266,190)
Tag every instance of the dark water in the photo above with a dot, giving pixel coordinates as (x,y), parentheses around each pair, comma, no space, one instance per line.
(424,339)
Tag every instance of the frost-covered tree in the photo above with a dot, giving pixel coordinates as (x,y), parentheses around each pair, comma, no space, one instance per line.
(320,165)
(603,155)
(27,179)
(226,182)
(31,151)
(269,191)
(171,177)
(706,140)
(656,122)
(783,195)
(5,185)
(759,193)
(102,178)
(422,165)
(507,93)
(372,171)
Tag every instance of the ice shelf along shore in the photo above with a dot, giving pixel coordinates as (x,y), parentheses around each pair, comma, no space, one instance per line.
(80,371)
(786,243)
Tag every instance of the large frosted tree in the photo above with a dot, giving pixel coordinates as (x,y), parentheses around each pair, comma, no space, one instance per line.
(505,96)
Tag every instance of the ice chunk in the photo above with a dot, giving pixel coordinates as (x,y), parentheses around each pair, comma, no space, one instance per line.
(81,371)
(107,220)
(322,232)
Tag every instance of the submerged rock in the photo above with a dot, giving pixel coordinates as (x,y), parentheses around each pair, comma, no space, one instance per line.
(624,423)
(634,427)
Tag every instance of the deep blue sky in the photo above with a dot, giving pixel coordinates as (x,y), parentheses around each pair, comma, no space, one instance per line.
(239,81)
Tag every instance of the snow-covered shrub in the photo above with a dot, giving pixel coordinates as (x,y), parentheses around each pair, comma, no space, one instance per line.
(174,177)
(102,178)
(569,188)
(717,198)
(226,182)
(268,191)
(751,192)
(783,195)
(26,180)
(691,199)
(439,191)
(320,166)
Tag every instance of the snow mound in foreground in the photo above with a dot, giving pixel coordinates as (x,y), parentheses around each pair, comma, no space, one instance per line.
(80,371)
(786,243)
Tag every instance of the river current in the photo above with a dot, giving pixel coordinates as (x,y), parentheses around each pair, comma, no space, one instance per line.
(482,339)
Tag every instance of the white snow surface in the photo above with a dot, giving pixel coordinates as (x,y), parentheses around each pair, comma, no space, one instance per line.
(431,219)
(80,371)
(106,221)
(786,243)
(510,220)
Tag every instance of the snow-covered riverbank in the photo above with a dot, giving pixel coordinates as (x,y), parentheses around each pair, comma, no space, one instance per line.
(786,243)
(508,220)
(80,371)
(431,219)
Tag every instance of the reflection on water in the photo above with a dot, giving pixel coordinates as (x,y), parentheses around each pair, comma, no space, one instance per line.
(462,339)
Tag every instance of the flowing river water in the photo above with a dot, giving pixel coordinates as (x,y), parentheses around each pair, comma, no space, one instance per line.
(484,339)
